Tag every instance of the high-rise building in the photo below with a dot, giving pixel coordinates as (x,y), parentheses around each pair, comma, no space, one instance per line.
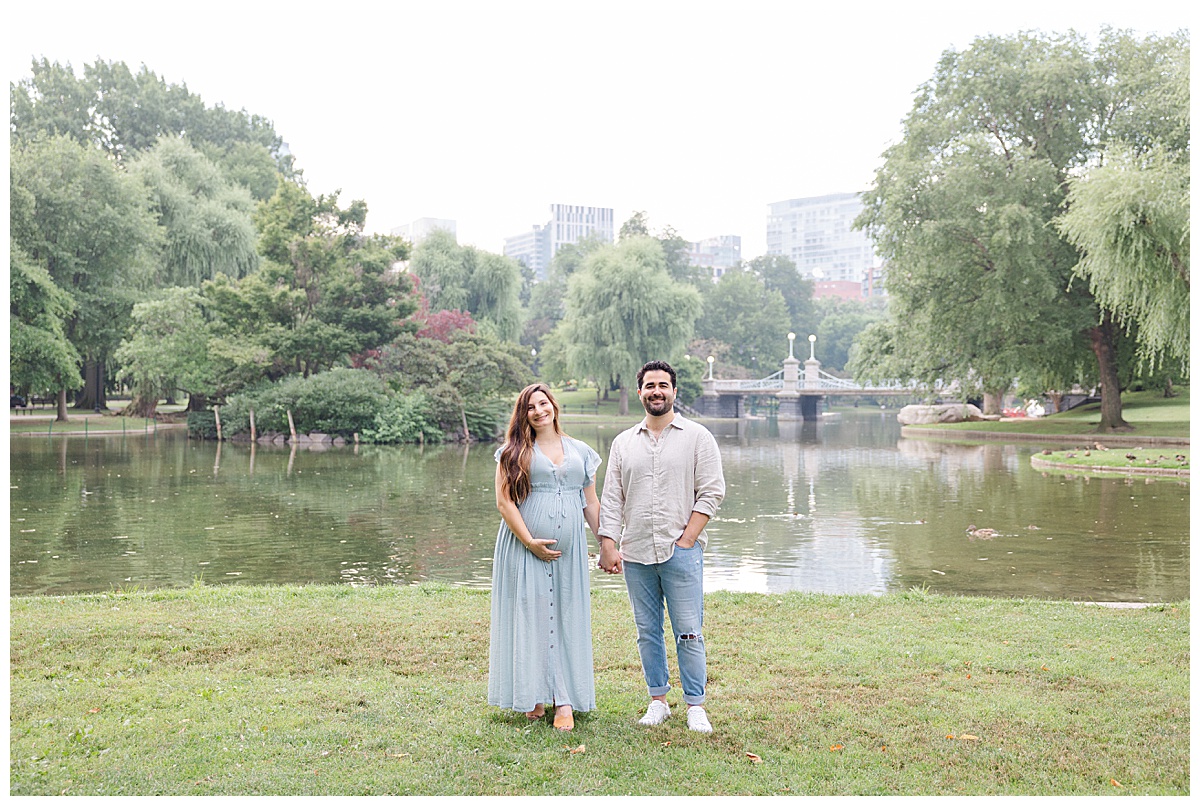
(421,229)
(718,253)
(817,233)
(531,249)
(568,224)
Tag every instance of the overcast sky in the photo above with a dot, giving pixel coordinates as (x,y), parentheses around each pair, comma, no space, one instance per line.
(486,113)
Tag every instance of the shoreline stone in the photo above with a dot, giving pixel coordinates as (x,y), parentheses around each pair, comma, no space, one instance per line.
(939,413)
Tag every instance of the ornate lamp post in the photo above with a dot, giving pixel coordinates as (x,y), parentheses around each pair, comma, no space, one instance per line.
(710,363)
(791,344)
(812,346)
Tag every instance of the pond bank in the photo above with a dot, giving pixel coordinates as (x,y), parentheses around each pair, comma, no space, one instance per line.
(1116,440)
(341,690)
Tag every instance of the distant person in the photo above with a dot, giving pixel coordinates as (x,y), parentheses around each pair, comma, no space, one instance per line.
(662,484)
(541,633)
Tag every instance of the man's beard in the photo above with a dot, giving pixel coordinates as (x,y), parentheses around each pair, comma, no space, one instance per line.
(656,406)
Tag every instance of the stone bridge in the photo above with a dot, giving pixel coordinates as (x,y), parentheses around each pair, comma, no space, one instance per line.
(799,395)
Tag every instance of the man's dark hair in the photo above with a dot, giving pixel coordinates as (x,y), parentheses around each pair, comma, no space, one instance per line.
(661,366)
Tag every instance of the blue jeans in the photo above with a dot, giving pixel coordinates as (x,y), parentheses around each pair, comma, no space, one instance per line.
(680,583)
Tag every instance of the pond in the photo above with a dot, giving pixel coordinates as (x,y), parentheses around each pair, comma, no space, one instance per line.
(840,506)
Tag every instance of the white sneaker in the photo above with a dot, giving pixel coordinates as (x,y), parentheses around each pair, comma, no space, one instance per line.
(698,720)
(656,714)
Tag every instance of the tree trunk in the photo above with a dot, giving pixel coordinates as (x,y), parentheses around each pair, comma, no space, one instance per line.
(1170,390)
(92,395)
(62,406)
(1103,345)
(993,402)
(197,402)
(142,406)
(623,404)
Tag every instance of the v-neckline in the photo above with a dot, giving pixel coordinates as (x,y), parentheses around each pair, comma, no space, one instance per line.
(563,445)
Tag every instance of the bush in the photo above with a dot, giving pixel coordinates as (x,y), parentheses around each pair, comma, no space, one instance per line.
(202,424)
(487,420)
(341,401)
(406,418)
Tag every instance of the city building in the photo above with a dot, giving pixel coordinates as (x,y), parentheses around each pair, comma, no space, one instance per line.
(818,235)
(837,288)
(421,229)
(718,253)
(872,284)
(568,224)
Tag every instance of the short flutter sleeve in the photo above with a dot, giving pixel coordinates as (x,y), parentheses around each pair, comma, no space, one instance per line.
(591,461)
(499,451)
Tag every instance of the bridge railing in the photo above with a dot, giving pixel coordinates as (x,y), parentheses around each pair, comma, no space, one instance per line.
(773,382)
(825,383)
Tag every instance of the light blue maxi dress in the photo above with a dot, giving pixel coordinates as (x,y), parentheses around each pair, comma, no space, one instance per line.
(541,633)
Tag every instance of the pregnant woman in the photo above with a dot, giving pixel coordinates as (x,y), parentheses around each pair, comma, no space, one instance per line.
(541,632)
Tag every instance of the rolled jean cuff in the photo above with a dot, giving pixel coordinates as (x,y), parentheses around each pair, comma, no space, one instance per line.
(659,691)
(689,699)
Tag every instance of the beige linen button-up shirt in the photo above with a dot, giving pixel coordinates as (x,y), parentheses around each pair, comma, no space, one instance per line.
(651,488)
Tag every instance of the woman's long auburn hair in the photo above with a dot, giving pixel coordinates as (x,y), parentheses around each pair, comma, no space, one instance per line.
(517,453)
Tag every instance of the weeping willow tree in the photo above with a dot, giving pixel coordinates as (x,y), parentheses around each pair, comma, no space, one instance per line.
(1129,213)
(463,278)
(1130,220)
(623,309)
(206,219)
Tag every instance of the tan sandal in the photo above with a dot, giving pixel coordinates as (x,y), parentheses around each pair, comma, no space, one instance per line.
(564,722)
(536,714)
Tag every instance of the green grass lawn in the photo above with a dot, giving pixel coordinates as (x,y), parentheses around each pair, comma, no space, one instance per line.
(1149,413)
(1119,459)
(41,420)
(355,691)
(586,401)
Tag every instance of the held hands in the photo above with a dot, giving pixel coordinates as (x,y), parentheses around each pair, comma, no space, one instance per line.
(610,558)
(541,549)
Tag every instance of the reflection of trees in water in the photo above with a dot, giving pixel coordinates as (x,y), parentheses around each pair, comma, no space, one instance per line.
(391,515)
(806,507)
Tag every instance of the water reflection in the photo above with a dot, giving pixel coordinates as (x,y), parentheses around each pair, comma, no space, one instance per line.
(840,506)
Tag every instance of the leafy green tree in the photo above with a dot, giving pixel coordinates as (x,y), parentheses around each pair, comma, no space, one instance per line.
(742,312)
(250,165)
(674,246)
(547,299)
(167,349)
(570,257)
(779,273)
(53,103)
(325,295)
(206,220)
(464,278)
(841,321)
(123,113)
(1130,220)
(638,225)
(962,210)
(464,380)
(325,291)
(623,309)
(40,356)
(91,229)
